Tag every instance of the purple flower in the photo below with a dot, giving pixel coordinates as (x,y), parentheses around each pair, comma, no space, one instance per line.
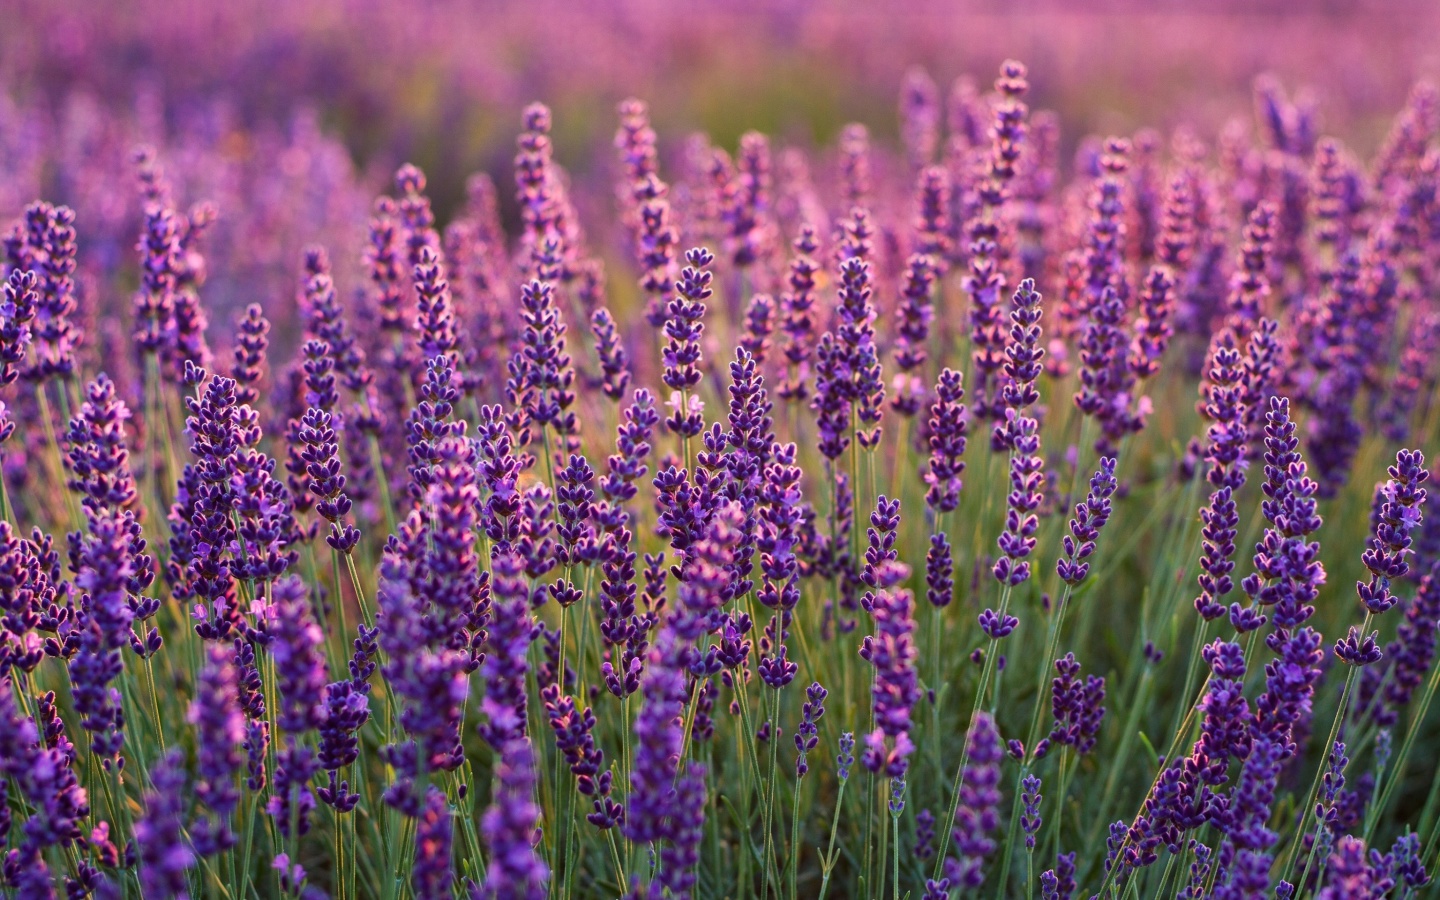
(1059,883)
(1334,435)
(55,337)
(104,627)
(947,437)
(295,643)
(434,318)
(1250,285)
(924,834)
(846,757)
(544,208)
(1398,515)
(919,116)
(431,877)
(1413,650)
(541,378)
(510,828)
(1076,706)
(896,688)
(614,361)
(798,304)
(1263,364)
(1225,727)
(1022,357)
(505,667)
(1027,476)
(37,761)
(1030,817)
(1245,824)
(164,853)
(428,679)
(1152,328)
(912,328)
(683,329)
(978,813)
(1288,573)
(321,455)
(778,538)
(1091,515)
(807,736)
(252,340)
(17,310)
(939,571)
(219,732)
(575,740)
(154,303)
(1225,450)
(854,144)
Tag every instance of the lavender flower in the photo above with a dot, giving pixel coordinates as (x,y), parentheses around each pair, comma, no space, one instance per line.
(431,877)
(896,689)
(978,813)
(1400,511)
(505,665)
(541,376)
(54,335)
(798,305)
(322,464)
(683,330)
(510,830)
(1225,449)
(1246,827)
(104,628)
(1091,514)
(1399,514)
(295,643)
(807,736)
(913,318)
(947,437)
(1017,541)
(919,116)
(16,312)
(1030,818)
(1153,329)
(220,730)
(1250,285)
(1413,649)
(1076,706)
(614,362)
(164,854)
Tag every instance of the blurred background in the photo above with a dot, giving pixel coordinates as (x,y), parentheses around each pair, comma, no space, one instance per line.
(255,103)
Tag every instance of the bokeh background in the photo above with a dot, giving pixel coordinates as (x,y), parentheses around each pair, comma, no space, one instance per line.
(441,82)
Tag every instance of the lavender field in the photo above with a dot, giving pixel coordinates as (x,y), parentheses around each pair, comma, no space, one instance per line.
(469,450)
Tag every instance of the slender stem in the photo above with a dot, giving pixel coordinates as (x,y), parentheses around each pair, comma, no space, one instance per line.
(828,864)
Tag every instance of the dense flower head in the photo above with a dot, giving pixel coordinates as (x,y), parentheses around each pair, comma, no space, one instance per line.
(978,814)
(947,438)
(1399,513)
(896,688)
(798,307)
(1091,515)
(165,855)
(1075,706)
(1027,476)
(913,317)
(295,642)
(509,827)
(98,459)
(220,730)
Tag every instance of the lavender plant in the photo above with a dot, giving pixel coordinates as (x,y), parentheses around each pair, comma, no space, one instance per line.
(499,562)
